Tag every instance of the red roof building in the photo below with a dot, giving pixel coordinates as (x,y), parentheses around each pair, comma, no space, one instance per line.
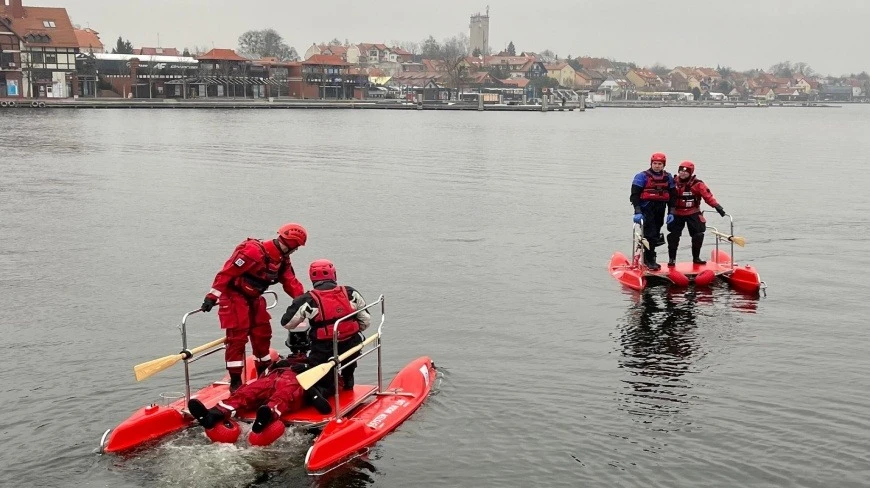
(221,55)
(157,51)
(46,64)
(89,41)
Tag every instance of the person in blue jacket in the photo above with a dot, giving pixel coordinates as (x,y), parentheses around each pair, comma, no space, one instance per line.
(653,196)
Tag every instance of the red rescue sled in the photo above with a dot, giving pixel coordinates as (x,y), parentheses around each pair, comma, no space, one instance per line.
(361,417)
(634,274)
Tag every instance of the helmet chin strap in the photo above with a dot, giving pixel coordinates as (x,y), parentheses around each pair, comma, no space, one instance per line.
(284,248)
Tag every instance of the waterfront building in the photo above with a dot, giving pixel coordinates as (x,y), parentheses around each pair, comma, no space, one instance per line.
(38,48)
(89,41)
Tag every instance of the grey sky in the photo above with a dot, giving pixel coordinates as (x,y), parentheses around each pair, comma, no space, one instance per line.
(832,35)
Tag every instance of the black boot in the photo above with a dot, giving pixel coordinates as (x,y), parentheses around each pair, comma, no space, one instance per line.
(347,381)
(235,382)
(697,242)
(315,397)
(673,245)
(265,416)
(207,417)
(650,260)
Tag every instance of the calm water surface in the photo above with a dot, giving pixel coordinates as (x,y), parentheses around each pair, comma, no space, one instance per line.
(489,234)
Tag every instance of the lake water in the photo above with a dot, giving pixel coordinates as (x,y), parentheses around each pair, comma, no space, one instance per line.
(489,234)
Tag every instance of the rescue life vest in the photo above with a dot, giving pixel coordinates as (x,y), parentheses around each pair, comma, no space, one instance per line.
(265,272)
(657,188)
(332,305)
(688,202)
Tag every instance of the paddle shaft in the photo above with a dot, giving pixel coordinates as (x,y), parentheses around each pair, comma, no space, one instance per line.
(308,378)
(150,368)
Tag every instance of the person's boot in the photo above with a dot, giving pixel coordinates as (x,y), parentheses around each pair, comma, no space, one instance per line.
(697,242)
(315,397)
(265,416)
(673,245)
(207,417)
(347,381)
(650,260)
(235,382)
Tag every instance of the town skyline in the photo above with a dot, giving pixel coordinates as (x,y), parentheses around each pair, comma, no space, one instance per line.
(823,36)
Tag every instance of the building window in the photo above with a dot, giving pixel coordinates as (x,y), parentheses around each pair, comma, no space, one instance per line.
(50,58)
(48,23)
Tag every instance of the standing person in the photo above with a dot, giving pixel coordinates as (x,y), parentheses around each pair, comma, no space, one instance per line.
(690,191)
(325,303)
(239,286)
(653,192)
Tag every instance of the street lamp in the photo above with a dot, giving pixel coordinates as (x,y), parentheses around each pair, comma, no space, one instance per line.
(96,83)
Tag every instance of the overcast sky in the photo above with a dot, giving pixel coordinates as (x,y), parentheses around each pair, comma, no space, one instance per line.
(831,35)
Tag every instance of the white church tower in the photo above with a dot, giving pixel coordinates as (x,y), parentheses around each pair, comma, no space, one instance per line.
(479,35)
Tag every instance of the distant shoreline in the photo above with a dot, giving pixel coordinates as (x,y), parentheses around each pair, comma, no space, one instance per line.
(280,104)
(223,103)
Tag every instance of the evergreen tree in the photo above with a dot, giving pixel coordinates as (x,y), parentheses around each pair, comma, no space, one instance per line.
(122,47)
(511,49)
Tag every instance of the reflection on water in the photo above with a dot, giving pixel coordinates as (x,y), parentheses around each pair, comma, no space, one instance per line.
(662,337)
(659,344)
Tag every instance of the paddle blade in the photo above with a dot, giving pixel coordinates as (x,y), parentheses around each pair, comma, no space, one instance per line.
(150,368)
(308,378)
(738,240)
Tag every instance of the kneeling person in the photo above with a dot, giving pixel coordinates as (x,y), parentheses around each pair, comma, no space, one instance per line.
(323,306)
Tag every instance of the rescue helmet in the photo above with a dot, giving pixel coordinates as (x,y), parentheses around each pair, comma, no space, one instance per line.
(270,434)
(658,157)
(226,431)
(297,340)
(321,270)
(292,235)
(689,166)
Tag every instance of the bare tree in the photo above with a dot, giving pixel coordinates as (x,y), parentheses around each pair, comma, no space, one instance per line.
(452,53)
(803,68)
(548,56)
(267,43)
(783,69)
(660,70)
(410,46)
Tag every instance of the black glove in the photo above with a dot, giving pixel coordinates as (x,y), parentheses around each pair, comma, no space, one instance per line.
(720,210)
(208,304)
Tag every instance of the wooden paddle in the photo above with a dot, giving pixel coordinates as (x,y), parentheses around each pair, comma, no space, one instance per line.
(150,368)
(735,239)
(642,240)
(308,378)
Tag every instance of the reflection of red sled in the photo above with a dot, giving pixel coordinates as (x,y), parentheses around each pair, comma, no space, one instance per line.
(362,416)
(635,275)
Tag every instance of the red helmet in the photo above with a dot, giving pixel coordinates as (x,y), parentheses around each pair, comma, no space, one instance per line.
(689,166)
(292,235)
(321,270)
(658,157)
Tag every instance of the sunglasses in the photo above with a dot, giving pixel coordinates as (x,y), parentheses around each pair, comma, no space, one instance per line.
(684,169)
